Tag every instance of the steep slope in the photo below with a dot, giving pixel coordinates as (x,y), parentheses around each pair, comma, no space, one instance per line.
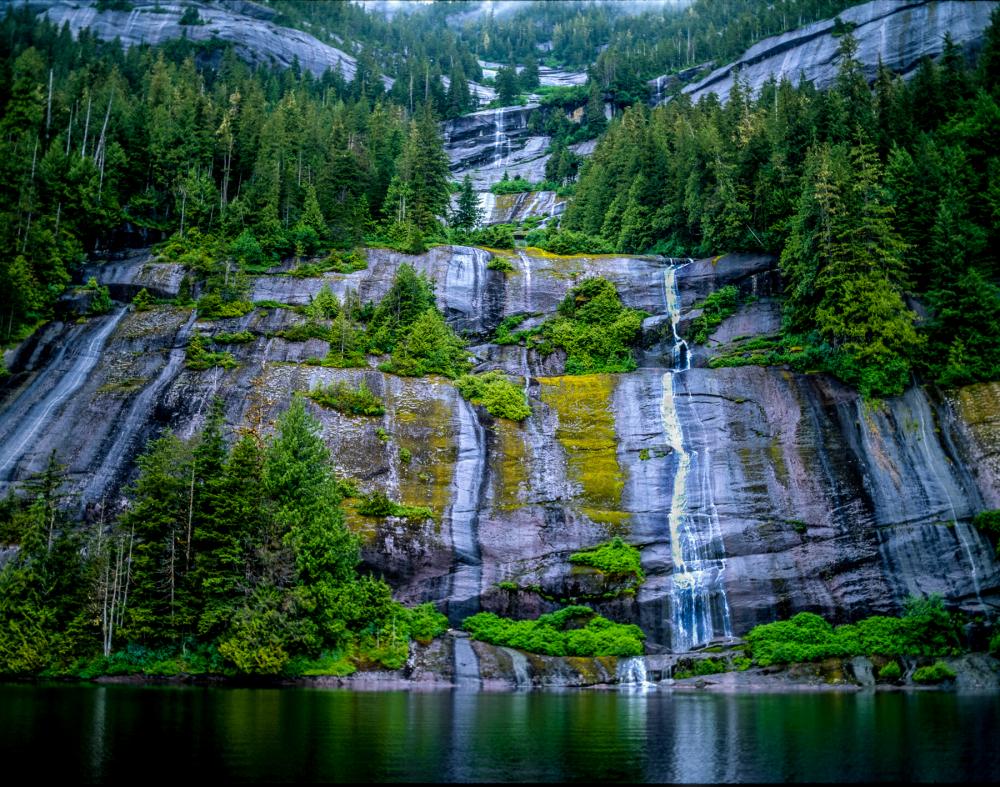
(899,33)
(245,25)
(753,493)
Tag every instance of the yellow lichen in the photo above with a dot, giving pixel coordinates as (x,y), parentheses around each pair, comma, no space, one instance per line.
(586,431)
(510,464)
(423,426)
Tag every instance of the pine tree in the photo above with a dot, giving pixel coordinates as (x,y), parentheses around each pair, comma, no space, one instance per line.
(468,214)
(423,168)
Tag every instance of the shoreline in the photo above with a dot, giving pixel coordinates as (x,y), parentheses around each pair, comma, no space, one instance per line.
(430,669)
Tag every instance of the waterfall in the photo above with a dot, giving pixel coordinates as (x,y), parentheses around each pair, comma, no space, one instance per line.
(631,672)
(519,663)
(466,664)
(501,144)
(464,515)
(29,414)
(695,543)
(139,414)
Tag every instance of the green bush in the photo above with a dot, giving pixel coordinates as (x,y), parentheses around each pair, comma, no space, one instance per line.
(500,264)
(572,631)
(426,623)
(504,332)
(715,308)
(890,671)
(340,396)
(199,358)
(304,331)
(212,307)
(496,393)
(988,523)
(428,346)
(240,337)
(143,300)
(926,629)
(994,646)
(613,557)
(100,302)
(568,242)
(938,672)
(377,504)
(495,236)
(594,328)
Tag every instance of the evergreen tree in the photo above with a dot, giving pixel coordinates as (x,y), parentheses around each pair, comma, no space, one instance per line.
(468,214)
(423,168)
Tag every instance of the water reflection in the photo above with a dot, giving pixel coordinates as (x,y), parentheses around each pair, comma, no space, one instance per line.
(119,733)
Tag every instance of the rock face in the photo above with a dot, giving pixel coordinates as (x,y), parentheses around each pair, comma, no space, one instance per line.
(753,493)
(487,143)
(900,33)
(245,25)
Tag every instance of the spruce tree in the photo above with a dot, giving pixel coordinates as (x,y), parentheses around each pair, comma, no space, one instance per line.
(468,213)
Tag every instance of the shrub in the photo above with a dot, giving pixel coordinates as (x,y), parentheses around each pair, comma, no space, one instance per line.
(613,557)
(561,241)
(890,671)
(572,631)
(199,358)
(429,346)
(988,523)
(304,331)
(594,328)
(378,504)
(212,307)
(142,300)
(994,646)
(495,236)
(100,302)
(715,308)
(426,623)
(496,393)
(938,672)
(500,264)
(504,330)
(342,397)
(240,337)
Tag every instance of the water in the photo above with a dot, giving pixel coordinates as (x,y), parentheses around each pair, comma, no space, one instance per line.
(697,599)
(122,733)
(464,514)
(30,412)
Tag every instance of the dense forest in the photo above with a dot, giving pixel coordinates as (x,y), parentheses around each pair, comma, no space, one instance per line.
(871,197)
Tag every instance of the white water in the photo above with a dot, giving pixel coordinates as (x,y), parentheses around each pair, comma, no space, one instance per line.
(631,673)
(466,665)
(697,574)
(519,662)
(18,442)
(139,414)
(464,514)
(501,143)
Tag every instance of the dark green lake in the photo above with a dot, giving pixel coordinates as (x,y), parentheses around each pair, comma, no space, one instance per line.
(124,733)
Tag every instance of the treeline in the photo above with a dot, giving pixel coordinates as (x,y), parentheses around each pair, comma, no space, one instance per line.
(96,140)
(232,558)
(869,196)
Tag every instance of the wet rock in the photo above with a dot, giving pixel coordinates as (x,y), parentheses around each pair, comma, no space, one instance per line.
(254,37)
(897,34)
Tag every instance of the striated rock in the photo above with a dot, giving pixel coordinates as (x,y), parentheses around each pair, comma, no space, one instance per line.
(900,33)
(136,271)
(753,493)
(245,25)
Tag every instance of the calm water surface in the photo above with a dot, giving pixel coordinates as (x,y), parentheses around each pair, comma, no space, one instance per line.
(124,733)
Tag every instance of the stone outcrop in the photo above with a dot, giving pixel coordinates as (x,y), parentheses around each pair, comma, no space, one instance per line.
(793,495)
(900,33)
(245,25)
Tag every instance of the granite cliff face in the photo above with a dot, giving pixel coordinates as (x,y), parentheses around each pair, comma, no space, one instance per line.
(246,25)
(753,493)
(900,33)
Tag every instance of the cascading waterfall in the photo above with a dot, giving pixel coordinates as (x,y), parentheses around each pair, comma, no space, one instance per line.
(501,143)
(696,546)
(138,415)
(39,412)
(464,514)
(631,672)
